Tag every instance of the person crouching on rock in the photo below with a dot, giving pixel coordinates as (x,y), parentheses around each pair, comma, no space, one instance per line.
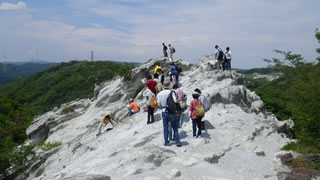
(104,122)
(133,107)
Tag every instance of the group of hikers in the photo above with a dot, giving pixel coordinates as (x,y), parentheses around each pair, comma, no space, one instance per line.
(223,58)
(172,50)
(164,94)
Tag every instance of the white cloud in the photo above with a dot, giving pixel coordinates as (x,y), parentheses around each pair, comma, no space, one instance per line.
(136,29)
(10,6)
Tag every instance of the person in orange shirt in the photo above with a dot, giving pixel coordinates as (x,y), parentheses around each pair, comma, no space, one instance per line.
(133,107)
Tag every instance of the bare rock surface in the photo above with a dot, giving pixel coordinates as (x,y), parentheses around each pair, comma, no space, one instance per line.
(237,127)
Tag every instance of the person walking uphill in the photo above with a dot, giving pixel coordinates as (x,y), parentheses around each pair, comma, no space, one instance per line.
(133,108)
(104,122)
(151,84)
(165,48)
(195,108)
(172,51)
(151,104)
(174,72)
(166,100)
(181,101)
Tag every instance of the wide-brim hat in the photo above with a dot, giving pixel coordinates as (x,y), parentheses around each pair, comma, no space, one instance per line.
(166,84)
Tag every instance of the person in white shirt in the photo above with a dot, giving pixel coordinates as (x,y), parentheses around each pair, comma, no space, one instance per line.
(166,116)
(228,58)
(172,51)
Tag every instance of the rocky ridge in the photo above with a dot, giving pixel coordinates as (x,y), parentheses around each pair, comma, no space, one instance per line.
(240,140)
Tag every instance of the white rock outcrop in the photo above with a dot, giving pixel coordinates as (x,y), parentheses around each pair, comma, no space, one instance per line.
(240,140)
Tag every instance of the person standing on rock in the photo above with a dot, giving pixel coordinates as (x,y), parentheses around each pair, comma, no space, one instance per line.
(181,102)
(165,48)
(162,99)
(196,120)
(203,100)
(104,122)
(172,51)
(149,95)
(219,56)
(228,59)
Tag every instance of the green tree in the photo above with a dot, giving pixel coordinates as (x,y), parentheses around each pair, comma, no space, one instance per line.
(318,38)
(296,95)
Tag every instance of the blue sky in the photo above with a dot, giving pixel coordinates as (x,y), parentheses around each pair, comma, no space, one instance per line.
(133,30)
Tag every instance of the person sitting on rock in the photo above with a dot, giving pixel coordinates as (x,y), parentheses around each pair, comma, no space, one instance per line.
(133,108)
(104,122)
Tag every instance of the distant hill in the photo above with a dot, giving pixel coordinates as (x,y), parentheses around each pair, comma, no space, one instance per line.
(62,83)
(266,70)
(12,71)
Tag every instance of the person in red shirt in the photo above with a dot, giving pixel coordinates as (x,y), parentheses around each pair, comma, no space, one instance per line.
(151,84)
(133,108)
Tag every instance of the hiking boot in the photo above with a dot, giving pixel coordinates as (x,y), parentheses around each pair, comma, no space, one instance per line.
(166,144)
(178,144)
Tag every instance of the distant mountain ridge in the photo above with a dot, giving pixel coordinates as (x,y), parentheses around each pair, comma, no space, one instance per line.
(12,71)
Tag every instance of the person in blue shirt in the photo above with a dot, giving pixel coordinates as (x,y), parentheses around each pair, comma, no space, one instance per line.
(218,56)
(174,72)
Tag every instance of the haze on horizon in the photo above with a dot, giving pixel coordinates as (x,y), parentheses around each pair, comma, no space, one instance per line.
(133,30)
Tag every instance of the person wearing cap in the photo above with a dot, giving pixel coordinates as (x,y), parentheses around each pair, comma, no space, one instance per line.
(104,122)
(167,117)
(196,121)
(133,107)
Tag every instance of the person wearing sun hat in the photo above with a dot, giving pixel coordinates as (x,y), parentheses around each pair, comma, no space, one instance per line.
(167,117)
(103,123)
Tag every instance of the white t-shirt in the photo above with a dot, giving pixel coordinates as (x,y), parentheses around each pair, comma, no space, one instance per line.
(162,98)
(228,55)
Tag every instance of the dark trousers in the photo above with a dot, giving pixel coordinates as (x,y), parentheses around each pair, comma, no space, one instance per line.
(228,66)
(150,114)
(195,123)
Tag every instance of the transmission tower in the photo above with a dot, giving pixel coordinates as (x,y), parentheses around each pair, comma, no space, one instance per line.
(92,58)
(4,62)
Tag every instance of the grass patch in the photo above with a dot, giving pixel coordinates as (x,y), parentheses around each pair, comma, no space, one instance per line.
(68,109)
(49,145)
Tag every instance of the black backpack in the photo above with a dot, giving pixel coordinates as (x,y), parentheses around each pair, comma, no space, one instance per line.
(220,56)
(178,69)
(172,107)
